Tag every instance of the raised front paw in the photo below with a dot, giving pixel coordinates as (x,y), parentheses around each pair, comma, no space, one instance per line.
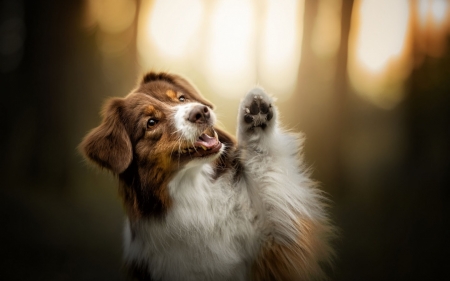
(257,107)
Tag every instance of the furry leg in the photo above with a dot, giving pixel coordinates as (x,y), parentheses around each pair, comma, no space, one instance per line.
(295,230)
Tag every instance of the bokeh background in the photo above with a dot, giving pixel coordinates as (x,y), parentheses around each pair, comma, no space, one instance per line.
(367,81)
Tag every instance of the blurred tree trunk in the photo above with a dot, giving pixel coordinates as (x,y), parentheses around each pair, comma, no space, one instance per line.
(321,99)
(426,172)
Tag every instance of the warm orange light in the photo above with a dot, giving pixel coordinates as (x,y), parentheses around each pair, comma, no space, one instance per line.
(432,28)
(114,19)
(112,16)
(326,36)
(423,8)
(380,50)
(383,29)
(432,11)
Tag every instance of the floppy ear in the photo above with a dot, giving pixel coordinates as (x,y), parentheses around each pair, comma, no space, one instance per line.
(109,145)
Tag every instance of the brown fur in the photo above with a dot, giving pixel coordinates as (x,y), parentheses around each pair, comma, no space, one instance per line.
(144,158)
(297,260)
(109,145)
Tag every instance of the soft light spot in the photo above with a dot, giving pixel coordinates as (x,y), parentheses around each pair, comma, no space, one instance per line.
(281,46)
(172,23)
(230,60)
(382,32)
(112,16)
(380,50)
(439,11)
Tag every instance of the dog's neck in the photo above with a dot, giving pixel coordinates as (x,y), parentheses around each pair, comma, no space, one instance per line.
(144,192)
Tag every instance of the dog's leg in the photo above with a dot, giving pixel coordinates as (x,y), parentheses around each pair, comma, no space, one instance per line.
(295,229)
(257,126)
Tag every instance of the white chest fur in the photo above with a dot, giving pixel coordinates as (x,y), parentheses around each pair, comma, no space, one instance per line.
(208,233)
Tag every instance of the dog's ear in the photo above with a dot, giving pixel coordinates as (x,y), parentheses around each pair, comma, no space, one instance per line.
(109,145)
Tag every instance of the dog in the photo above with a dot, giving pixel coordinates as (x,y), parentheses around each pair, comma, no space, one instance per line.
(201,205)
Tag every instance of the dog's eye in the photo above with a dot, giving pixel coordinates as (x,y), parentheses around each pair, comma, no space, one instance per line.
(151,122)
(182,99)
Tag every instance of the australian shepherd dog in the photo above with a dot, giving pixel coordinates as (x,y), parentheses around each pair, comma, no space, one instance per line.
(202,205)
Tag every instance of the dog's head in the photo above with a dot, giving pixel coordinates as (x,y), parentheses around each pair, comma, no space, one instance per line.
(161,127)
(164,124)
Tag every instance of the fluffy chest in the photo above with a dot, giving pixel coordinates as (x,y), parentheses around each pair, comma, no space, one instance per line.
(208,234)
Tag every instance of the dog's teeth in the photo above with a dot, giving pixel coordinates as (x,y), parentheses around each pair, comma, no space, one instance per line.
(191,150)
(204,148)
(215,135)
(247,110)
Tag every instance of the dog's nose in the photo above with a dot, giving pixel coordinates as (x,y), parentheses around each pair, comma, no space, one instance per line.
(199,114)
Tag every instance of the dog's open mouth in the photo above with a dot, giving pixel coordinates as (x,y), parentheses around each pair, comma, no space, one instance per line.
(207,143)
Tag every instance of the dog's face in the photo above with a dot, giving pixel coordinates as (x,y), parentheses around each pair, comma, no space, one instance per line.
(161,126)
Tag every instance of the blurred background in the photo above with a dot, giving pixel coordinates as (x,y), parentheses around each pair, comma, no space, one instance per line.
(367,81)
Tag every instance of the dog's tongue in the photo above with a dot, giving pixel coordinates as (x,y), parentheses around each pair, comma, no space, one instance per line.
(206,141)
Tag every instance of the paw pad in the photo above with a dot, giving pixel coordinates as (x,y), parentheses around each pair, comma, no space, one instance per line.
(258,112)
